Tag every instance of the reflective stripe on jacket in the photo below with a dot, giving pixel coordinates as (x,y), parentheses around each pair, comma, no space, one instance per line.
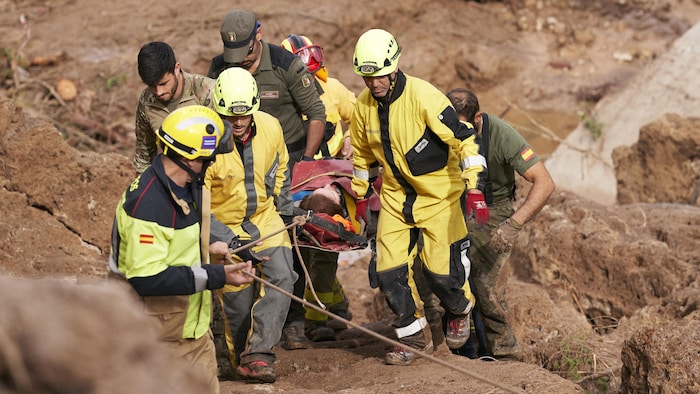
(245,189)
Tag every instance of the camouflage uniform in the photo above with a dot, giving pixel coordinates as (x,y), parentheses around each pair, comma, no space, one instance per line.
(150,112)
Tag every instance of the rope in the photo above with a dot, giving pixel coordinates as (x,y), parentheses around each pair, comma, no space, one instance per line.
(297,222)
(382,338)
(307,276)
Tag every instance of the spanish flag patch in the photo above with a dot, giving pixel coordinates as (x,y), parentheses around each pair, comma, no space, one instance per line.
(146,239)
(527,154)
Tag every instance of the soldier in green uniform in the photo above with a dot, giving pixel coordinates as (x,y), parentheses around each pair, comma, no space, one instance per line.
(169,88)
(506,151)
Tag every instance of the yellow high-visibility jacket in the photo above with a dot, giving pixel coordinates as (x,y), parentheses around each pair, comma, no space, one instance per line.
(247,184)
(340,103)
(427,155)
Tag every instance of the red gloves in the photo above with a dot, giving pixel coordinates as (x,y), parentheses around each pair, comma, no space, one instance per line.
(477,207)
(362,209)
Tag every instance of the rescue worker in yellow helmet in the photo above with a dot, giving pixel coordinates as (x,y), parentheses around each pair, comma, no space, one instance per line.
(338,100)
(323,265)
(246,184)
(429,161)
(156,245)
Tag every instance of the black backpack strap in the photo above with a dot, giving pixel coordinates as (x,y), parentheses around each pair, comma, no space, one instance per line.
(484,151)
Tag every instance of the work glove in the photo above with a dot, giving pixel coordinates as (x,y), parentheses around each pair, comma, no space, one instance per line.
(362,209)
(504,236)
(245,254)
(477,207)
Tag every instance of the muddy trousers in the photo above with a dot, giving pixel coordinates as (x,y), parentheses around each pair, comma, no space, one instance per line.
(296,312)
(446,266)
(201,354)
(254,313)
(490,277)
(323,266)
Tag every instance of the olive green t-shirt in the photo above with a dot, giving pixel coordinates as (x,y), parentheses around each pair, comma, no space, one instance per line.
(508,151)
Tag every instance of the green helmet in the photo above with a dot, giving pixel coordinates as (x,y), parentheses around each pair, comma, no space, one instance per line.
(376,54)
(236,93)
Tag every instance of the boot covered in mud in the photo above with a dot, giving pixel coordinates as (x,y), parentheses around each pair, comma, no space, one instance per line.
(422,340)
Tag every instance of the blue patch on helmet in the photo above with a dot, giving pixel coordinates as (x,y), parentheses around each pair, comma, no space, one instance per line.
(209,142)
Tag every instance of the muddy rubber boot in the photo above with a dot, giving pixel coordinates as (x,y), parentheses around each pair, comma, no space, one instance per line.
(318,332)
(293,337)
(336,324)
(434,313)
(422,340)
(507,348)
(458,330)
(257,371)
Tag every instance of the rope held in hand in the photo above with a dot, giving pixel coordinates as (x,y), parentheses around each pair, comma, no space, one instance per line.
(297,222)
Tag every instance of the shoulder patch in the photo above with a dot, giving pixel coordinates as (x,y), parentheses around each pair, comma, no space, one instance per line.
(146,238)
(527,154)
(305,80)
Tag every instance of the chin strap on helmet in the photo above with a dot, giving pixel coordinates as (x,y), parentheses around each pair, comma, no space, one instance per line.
(197,178)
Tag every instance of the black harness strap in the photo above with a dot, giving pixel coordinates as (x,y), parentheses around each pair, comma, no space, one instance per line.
(484,151)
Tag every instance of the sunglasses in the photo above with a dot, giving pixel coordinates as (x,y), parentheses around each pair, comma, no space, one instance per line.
(252,46)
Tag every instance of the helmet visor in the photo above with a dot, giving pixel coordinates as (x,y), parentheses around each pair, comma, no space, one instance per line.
(311,52)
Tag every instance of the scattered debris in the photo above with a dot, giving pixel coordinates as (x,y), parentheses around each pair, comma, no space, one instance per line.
(66,89)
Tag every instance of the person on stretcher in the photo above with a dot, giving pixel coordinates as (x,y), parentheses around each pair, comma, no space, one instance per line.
(323,187)
(328,200)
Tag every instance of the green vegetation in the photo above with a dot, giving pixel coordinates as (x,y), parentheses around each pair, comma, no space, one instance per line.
(113,81)
(574,357)
(7,57)
(570,358)
(591,123)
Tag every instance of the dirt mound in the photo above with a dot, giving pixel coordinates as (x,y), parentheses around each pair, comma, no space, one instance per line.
(663,358)
(56,337)
(57,203)
(663,166)
(584,164)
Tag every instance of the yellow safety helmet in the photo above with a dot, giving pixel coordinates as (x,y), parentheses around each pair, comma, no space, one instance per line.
(310,53)
(236,93)
(376,54)
(192,132)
